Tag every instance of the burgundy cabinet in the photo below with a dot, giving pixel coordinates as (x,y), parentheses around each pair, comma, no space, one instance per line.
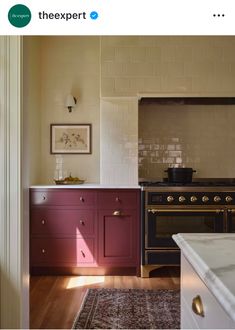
(62,251)
(83,229)
(62,222)
(78,197)
(118,238)
(63,226)
(117,200)
(118,222)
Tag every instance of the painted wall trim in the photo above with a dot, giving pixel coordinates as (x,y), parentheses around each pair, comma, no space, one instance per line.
(11,288)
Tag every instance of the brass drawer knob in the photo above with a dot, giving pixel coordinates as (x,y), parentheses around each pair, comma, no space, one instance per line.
(43,222)
(82,222)
(83,254)
(117,213)
(197,306)
(43,251)
(44,198)
(117,199)
(81,199)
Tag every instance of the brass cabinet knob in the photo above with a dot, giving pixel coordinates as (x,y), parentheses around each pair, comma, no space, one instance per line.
(81,199)
(83,254)
(43,251)
(44,198)
(82,222)
(43,222)
(197,306)
(117,212)
(117,199)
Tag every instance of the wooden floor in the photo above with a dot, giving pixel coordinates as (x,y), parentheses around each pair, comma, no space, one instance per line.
(55,300)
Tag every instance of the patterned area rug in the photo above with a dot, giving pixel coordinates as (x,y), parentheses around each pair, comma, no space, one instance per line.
(129,309)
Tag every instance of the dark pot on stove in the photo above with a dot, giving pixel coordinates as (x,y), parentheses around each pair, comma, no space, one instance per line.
(180,174)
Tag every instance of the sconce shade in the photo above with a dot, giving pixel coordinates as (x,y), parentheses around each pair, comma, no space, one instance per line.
(70,102)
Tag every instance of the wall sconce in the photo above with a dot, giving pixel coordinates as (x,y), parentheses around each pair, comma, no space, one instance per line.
(70,102)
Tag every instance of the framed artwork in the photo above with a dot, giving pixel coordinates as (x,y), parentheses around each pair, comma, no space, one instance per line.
(70,138)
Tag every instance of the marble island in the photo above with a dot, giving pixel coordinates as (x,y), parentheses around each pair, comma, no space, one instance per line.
(212,258)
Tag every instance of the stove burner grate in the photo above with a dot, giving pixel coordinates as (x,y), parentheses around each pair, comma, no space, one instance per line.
(229,183)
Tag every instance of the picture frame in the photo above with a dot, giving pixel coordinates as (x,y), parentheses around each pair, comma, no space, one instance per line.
(70,138)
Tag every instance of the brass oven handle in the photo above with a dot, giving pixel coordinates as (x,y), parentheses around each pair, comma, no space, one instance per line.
(186,210)
(117,213)
(197,306)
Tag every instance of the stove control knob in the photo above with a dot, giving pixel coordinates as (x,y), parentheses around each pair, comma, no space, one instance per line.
(182,199)
(193,199)
(217,199)
(170,199)
(205,199)
(228,199)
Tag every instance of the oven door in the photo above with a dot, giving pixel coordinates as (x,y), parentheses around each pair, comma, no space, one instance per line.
(161,224)
(231,221)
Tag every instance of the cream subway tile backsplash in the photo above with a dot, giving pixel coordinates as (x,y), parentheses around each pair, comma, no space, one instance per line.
(190,136)
(175,64)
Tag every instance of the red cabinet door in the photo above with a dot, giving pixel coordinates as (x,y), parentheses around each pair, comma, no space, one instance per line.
(118,238)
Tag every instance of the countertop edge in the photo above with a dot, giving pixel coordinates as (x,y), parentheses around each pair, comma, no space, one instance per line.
(218,289)
(85,186)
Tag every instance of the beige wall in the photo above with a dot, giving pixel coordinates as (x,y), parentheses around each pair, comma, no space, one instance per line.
(32,109)
(93,68)
(202,137)
(70,65)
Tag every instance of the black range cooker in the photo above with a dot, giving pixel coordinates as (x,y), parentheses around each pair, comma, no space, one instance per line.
(207,206)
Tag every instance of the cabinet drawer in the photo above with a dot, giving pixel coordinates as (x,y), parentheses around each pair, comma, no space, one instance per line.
(191,286)
(117,200)
(62,251)
(62,222)
(78,197)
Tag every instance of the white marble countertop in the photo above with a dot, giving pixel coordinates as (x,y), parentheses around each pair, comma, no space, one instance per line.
(87,186)
(213,258)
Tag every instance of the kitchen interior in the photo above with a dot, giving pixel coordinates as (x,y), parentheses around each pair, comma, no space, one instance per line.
(156,105)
